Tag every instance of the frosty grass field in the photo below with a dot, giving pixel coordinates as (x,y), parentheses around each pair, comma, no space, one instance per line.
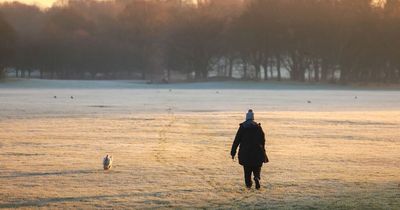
(171,145)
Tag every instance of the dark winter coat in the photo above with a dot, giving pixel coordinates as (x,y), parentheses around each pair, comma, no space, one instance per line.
(251,139)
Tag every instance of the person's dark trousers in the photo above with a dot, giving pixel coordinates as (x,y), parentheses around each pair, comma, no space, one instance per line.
(248,170)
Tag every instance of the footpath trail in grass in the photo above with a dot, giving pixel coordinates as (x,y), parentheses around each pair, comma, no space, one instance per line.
(336,159)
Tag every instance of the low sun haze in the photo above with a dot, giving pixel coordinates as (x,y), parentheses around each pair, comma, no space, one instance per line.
(41,3)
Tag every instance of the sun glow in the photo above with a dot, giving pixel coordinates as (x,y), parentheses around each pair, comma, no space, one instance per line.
(40,3)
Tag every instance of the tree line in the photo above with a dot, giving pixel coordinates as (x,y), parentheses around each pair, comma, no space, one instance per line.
(301,40)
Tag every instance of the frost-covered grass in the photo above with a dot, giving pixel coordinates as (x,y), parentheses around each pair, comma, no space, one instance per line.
(318,159)
(171,148)
(31,98)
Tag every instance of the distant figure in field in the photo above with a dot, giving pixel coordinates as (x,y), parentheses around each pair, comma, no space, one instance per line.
(107,162)
(252,155)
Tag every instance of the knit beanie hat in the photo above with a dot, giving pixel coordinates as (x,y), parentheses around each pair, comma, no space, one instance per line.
(250,115)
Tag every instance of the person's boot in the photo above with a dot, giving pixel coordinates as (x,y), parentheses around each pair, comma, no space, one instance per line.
(257,181)
(248,185)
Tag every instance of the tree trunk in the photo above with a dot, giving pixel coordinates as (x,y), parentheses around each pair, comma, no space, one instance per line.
(265,67)
(230,67)
(294,69)
(324,71)
(2,73)
(168,75)
(271,70)
(278,67)
(316,71)
(343,76)
(258,71)
(302,70)
(245,70)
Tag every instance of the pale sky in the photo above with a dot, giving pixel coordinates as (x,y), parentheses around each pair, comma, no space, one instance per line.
(41,3)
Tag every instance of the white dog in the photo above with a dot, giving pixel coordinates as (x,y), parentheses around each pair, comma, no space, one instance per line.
(107,162)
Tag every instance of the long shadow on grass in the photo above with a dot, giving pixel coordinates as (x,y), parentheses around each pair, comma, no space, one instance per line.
(46,201)
(52,173)
(41,202)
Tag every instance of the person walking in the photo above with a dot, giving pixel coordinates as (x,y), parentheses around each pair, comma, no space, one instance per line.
(252,155)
